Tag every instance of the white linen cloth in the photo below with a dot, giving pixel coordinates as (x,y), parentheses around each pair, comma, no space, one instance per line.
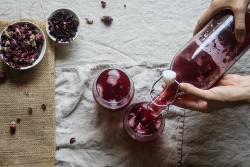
(142,40)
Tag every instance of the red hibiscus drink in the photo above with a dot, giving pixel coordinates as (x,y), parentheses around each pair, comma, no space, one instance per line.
(141,124)
(113,90)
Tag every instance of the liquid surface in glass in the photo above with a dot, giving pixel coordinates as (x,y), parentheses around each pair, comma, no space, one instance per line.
(113,85)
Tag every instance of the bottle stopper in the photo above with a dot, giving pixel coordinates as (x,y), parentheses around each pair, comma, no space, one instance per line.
(168,76)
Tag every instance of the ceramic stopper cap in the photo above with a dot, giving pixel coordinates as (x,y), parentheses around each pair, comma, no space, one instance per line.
(168,76)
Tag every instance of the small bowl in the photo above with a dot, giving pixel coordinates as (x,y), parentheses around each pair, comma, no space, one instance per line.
(70,12)
(41,53)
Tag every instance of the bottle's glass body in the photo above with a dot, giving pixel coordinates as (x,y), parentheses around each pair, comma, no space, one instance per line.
(205,58)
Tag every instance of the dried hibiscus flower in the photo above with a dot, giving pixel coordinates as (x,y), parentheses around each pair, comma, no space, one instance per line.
(107,19)
(63,26)
(21,44)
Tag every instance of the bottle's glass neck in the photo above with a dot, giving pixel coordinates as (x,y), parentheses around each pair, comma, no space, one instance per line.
(164,99)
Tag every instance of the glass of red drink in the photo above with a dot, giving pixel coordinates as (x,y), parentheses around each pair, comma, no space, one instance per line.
(113,90)
(141,124)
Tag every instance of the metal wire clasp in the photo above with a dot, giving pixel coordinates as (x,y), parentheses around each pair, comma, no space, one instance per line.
(168,103)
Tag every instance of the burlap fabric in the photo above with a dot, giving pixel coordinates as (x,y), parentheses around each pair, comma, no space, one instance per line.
(33,143)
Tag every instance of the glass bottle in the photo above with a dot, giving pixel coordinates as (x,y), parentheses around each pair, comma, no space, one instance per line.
(205,58)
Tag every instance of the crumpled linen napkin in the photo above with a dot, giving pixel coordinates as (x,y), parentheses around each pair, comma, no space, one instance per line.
(100,138)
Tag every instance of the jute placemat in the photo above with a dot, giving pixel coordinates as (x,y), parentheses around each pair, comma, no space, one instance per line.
(33,143)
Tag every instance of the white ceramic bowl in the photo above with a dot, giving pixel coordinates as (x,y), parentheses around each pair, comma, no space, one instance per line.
(41,53)
(70,12)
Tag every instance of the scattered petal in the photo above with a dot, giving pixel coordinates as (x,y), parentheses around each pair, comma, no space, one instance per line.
(18,120)
(72,140)
(103,4)
(89,21)
(43,106)
(12,127)
(2,74)
(107,19)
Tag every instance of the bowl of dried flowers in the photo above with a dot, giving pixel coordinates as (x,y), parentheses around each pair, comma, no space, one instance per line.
(63,26)
(22,45)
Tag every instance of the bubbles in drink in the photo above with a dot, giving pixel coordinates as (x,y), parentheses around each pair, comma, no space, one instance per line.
(113,77)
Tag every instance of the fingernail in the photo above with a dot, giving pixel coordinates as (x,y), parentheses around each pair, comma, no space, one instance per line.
(240,39)
(240,35)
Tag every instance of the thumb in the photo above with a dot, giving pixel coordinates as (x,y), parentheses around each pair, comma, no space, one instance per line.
(196,92)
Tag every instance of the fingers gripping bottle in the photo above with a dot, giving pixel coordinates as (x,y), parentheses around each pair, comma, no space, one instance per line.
(204,59)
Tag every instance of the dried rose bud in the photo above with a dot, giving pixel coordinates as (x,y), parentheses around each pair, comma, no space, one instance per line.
(103,4)
(12,127)
(31,60)
(72,140)
(39,37)
(7,43)
(2,75)
(107,19)
(89,21)
(13,42)
(18,120)
(43,106)
(30,110)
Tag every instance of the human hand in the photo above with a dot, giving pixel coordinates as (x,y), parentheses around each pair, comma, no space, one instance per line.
(230,90)
(239,9)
